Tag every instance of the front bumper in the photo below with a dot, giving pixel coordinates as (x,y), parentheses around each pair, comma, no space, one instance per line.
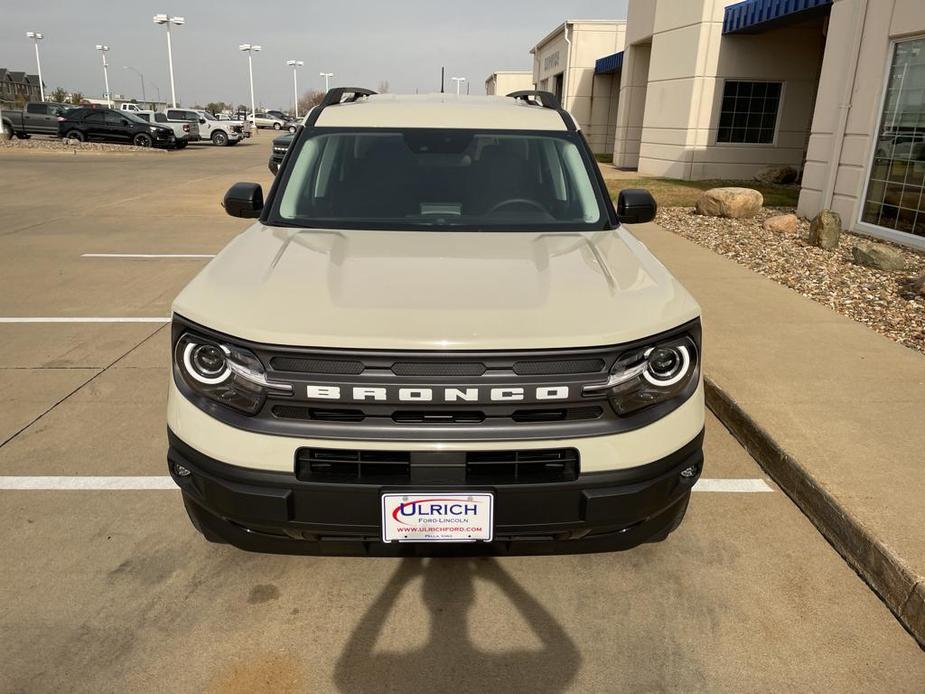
(275,512)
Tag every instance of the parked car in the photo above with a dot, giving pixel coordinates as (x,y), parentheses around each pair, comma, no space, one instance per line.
(280,147)
(186,131)
(37,118)
(135,108)
(265,120)
(220,132)
(436,330)
(109,125)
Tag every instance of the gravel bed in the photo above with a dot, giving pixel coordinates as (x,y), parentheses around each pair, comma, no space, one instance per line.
(56,145)
(876,298)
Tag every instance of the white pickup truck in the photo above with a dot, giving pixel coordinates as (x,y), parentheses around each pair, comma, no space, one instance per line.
(186,131)
(221,132)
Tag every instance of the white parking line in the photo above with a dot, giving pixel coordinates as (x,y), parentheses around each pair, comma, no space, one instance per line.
(81,319)
(138,483)
(731,485)
(147,255)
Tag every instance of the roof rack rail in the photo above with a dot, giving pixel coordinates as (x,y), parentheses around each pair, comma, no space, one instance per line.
(336,96)
(546,100)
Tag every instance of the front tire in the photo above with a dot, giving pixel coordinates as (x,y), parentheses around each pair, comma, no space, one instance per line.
(219,138)
(74,135)
(142,140)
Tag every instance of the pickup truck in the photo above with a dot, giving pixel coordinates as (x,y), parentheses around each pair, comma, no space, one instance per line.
(221,132)
(37,118)
(185,131)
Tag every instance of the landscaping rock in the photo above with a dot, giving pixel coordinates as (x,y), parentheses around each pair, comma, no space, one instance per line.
(777,174)
(917,285)
(825,230)
(734,203)
(782,224)
(878,256)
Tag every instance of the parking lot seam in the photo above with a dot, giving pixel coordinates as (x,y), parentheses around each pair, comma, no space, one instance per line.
(883,571)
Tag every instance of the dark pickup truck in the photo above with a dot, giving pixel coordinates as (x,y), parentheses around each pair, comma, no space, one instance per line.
(37,118)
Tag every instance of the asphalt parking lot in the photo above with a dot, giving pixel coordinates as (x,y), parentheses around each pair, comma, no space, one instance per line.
(112,590)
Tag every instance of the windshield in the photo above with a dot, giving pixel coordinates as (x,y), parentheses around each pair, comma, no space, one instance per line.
(417,178)
(208,116)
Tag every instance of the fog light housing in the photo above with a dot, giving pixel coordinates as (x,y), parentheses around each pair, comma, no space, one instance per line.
(181,471)
(689,472)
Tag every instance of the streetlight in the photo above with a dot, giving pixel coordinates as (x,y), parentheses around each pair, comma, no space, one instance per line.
(459,81)
(250,49)
(327,76)
(144,99)
(37,36)
(167,20)
(103,51)
(295,65)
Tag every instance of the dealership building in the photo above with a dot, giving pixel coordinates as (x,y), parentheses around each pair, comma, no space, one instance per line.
(714,89)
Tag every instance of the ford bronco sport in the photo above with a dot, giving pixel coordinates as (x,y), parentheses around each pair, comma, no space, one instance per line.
(436,332)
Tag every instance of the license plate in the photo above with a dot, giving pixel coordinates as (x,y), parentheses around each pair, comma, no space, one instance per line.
(437,517)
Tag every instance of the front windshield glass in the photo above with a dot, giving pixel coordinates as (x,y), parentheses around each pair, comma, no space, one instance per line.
(208,116)
(462,179)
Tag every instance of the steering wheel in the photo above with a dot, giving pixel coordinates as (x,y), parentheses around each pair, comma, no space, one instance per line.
(519,201)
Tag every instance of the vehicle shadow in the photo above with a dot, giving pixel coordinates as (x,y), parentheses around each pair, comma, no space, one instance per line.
(450,661)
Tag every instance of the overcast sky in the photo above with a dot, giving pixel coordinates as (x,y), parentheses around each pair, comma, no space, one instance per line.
(362,41)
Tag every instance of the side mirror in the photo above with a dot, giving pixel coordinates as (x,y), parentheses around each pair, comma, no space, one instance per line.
(635,206)
(244,200)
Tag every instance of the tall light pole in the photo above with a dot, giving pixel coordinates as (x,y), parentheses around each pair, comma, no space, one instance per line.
(295,65)
(250,49)
(144,98)
(103,51)
(459,81)
(167,20)
(37,36)
(327,80)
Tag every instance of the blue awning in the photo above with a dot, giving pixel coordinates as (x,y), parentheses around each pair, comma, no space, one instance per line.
(608,64)
(754,16)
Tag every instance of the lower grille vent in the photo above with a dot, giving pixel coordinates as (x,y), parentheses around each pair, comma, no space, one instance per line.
(335,465)
(500,467)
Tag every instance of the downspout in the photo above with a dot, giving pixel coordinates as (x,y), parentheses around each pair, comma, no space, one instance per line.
(844,109)
(568,68)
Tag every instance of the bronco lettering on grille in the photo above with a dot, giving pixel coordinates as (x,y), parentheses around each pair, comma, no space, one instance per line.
(414,394)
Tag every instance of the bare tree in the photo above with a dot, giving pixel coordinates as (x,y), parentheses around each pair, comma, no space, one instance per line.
(310,99)
(383,87)
(76,98)
(59,95)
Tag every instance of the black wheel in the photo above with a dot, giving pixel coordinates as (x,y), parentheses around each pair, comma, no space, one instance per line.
(219,138)
(142,140)
(232,143)
(75,135)
(181,145)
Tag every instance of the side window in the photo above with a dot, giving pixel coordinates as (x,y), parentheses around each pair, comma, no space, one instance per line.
(160,118)
(175,115)
(113,118)
(144,116)
(95,118)
(37,108)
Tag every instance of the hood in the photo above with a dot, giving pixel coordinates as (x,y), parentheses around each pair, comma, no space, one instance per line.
(435,290)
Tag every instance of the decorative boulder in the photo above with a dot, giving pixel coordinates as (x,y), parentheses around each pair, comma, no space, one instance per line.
(735,203)
(777,174)
(782,224)
(878,256)
(825,230)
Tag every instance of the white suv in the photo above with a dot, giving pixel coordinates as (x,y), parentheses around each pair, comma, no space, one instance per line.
(436,331)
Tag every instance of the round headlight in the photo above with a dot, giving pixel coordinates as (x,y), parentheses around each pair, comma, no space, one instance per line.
(667,365)
(206,363)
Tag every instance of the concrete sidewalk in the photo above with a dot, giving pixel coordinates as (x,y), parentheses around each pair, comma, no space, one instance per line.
(834,412)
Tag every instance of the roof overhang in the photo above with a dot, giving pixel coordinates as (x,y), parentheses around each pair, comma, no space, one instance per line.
(609,64)
(756,16)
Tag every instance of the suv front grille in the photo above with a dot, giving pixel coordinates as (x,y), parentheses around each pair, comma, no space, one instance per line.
(349,466)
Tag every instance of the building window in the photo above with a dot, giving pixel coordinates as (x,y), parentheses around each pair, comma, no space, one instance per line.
(749,112)
(896,191)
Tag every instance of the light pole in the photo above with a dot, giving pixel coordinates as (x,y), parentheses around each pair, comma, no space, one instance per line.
(103,51)
(37,36)
(167,20)
(459,81)
(250,49)
(327,80)
(144,99)
(295,65)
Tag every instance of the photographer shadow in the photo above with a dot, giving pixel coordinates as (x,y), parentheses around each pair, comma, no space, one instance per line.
(450,660)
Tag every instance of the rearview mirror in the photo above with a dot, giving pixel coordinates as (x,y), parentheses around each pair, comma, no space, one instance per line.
(244,200)
(636,206)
